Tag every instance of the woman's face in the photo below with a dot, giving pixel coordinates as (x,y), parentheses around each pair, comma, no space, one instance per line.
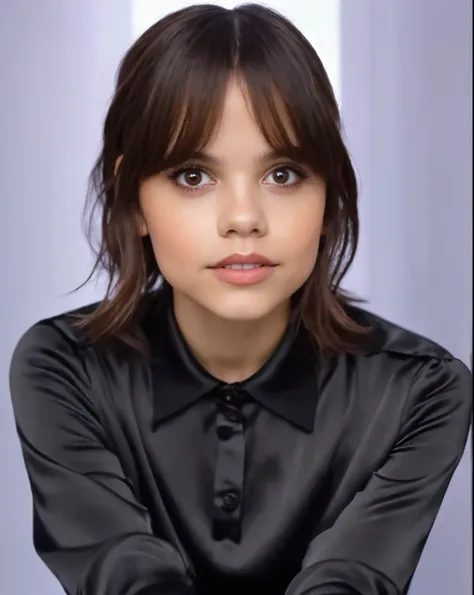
(235,199)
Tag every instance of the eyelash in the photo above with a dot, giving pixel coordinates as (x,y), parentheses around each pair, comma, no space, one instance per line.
(174,175)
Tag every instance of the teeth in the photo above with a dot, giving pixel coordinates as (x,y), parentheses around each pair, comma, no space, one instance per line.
(244,267)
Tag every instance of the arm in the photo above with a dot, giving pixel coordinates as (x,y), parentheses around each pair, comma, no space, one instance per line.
(89,529)
(374,546)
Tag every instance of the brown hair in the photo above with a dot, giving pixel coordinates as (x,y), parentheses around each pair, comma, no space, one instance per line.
(168,98)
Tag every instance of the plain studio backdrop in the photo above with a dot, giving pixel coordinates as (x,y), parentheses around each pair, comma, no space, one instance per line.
(402,73)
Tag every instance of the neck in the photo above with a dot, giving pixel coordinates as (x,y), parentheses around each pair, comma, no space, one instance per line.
(230,350)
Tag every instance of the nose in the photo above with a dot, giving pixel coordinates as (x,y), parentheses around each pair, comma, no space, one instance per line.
(241,212)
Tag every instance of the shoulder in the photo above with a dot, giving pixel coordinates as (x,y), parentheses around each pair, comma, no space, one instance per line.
(404,383)
(61,342)
(48,359)
(51,336)
(63,333)
(55,370)
(386,337)
(410,359)
(59,347)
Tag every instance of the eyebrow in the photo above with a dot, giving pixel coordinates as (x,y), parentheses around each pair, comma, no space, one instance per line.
(295,154)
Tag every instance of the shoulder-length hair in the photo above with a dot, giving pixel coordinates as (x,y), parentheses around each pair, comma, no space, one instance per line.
(167,102)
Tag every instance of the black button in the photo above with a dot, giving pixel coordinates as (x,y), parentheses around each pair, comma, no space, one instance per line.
(232,415)
(224,432)
(230,502)
(229,398)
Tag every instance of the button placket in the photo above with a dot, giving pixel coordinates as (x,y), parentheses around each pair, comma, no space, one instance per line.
(229,473)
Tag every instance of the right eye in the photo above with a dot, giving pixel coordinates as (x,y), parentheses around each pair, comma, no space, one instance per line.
(191,178)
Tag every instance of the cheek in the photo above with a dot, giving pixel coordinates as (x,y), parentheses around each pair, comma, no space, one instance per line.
(302,231)
(178,236)
(172,242)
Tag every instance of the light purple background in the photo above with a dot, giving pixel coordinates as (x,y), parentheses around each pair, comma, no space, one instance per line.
(406,94)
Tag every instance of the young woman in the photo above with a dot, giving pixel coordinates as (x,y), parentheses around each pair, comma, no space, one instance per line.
(225,420)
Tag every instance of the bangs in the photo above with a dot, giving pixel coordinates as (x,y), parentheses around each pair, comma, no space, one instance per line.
(284,83)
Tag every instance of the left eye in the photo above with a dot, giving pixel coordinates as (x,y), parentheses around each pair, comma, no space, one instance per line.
(283,176)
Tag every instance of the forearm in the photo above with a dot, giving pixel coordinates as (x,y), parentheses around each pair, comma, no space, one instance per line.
(135,564)
(341,577)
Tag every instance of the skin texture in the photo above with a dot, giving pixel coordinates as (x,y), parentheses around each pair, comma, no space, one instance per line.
(234,205)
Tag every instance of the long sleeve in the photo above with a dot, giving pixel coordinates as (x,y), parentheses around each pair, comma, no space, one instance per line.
(374,546)
(89,529)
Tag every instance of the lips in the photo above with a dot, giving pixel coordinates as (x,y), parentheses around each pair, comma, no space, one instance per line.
(233,271)
(242,267)
(244,262)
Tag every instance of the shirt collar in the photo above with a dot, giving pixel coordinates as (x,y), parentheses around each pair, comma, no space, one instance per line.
(287,384)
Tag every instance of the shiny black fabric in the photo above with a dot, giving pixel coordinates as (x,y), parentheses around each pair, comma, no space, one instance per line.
(317,476)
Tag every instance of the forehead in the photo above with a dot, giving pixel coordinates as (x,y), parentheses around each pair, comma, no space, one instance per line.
(237,125)
(241,127)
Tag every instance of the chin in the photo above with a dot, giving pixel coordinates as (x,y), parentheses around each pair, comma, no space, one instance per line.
(246,308)
(232,304)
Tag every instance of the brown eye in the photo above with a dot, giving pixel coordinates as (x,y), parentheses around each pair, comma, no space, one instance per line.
(283,176)
(192,177)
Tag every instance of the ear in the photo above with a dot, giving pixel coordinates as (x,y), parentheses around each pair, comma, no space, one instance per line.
(141,225)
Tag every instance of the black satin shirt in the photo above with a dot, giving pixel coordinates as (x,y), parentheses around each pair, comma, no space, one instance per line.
(316,476)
